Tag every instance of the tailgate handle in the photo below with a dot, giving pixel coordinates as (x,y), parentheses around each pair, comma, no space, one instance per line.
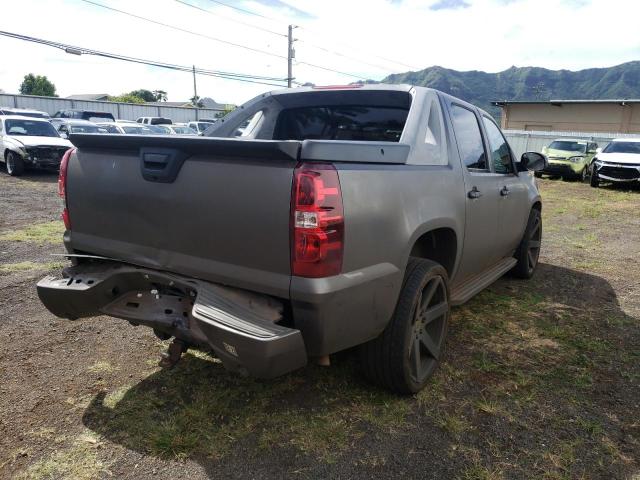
(161,164)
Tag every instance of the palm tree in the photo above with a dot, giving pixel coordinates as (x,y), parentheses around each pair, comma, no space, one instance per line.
(161,95)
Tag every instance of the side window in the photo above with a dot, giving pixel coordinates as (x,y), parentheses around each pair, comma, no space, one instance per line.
(500,153)
(469,138)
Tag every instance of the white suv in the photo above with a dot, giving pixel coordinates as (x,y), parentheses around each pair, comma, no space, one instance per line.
(618,162)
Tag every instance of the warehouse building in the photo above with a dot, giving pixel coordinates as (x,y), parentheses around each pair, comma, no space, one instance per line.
(611,116)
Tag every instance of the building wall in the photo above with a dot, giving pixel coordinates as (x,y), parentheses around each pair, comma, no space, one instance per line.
(582,117)
(124,111)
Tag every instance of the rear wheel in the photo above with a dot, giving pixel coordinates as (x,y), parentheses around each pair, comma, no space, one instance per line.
(529,249)
(408,351)
(14,164)
(538,174)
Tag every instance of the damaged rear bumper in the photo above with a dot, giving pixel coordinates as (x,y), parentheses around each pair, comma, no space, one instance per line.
(239,326)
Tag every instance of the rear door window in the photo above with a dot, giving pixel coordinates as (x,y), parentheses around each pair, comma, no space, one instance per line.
(341,122)
(468,138)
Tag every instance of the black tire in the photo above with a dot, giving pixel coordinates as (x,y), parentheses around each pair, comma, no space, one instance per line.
(595,181)
(537,174)
(14,164)
(582,176)
(408,351)
(528,251)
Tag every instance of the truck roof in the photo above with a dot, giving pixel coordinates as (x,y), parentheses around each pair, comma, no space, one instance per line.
(368,86)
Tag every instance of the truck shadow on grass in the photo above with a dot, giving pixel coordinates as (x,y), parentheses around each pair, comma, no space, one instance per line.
(540,379)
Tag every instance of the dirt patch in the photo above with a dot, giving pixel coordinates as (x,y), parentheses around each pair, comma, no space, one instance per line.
(541,379)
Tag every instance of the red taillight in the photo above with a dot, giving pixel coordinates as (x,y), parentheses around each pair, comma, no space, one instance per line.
(317,222)
(62,186)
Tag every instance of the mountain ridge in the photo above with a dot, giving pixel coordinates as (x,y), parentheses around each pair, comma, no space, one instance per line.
(528,83)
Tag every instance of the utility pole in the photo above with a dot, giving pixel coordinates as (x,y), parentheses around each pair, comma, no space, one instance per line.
(195,92)
(291,54)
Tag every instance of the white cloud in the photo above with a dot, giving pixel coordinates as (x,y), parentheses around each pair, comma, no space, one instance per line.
(488,35)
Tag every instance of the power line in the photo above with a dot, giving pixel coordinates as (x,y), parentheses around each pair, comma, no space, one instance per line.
(313,45)
(359,49)
(339,54)
(249,12)
(246,11)
(184,30)
(331,70)
(263,80)
(220,40)
(231,19)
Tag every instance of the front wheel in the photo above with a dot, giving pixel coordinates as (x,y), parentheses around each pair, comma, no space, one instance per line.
(582,176)
(595,181)
(408,351)
(14,164)
(528,251)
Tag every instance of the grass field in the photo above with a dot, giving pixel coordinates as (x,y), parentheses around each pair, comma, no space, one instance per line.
(540,379)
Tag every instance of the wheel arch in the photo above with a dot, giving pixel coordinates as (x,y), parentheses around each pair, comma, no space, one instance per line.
(8,150)
(439,244)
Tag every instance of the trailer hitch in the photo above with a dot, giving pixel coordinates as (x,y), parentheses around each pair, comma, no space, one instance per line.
(172,356)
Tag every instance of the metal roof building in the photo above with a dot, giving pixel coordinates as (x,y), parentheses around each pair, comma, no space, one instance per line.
(612,115)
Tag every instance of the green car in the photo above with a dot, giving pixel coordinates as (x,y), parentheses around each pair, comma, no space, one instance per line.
(569,158)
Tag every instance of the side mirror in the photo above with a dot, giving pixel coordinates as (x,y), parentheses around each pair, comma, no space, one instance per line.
(598,150)
(64,135)
(532,161)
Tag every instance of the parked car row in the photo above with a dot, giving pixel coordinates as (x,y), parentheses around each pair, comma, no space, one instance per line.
(30,139)
(618,162)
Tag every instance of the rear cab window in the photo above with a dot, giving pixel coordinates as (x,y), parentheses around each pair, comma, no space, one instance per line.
(342,122)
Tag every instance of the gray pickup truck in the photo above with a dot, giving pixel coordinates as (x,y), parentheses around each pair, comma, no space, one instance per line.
(338,217)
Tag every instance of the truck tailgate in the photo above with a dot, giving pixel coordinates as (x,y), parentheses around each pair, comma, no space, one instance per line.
(223,218)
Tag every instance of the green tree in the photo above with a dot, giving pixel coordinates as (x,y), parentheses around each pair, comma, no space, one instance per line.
(145,95)
(37,85)
(227,109)
(160,95)
(126,98)
(196,102)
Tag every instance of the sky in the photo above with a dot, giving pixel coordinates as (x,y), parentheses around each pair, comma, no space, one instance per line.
(337,41)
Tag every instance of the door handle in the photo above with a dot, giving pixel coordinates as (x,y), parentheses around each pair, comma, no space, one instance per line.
(474,193)
(505,191)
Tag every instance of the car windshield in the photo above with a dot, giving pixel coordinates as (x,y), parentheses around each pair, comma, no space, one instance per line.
(184,131)
(138,130)
(162,129)
(30,128)
(622,147)
(98,117)
(31,114)
(568,146)
(84,129)
(202,126)
(342,122)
